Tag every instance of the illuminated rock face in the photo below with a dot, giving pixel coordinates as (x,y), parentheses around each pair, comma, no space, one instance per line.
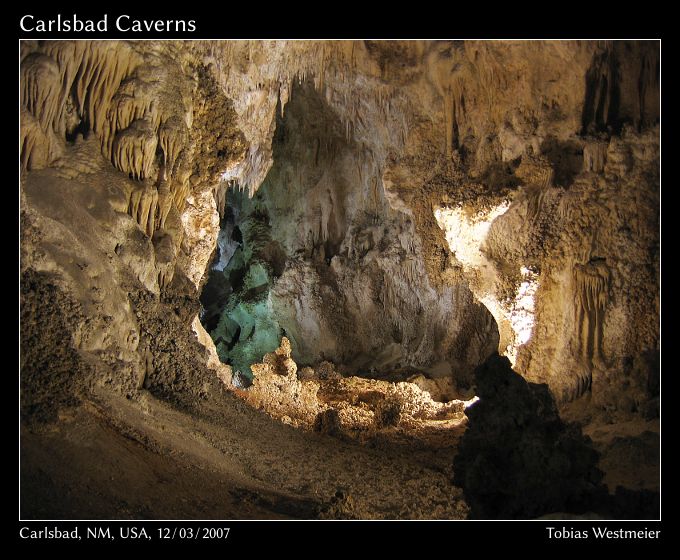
(592,308)
(326,261)
(466,233)
(553,263)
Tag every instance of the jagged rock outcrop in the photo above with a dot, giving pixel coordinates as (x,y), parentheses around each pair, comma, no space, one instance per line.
(324,401)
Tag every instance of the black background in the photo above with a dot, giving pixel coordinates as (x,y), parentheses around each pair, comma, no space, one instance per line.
(244,20)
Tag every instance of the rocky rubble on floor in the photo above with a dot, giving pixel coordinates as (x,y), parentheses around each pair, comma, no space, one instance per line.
(321,399)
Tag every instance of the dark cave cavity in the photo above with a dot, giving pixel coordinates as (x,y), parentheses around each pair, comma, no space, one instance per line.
(609,102)
(318,255)
(235,306)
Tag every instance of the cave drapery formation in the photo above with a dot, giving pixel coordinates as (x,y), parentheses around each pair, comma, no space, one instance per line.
(344,234)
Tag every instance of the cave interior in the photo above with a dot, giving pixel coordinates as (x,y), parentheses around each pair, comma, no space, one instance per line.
(428,268)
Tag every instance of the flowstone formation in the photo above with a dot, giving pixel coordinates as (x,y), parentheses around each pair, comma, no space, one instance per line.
(397,211)
(114,153)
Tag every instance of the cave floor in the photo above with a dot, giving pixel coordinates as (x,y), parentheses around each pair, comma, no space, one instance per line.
(629,448)
(114,458)
(629,453)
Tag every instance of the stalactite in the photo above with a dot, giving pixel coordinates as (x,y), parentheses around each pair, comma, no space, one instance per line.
(323,226)
(591,295)
(284,96)
(591,285)
(406,239)
(91,72)
(127,106)
(448,121)
(142,206)
(648,88)
(547,178)
(410,269)
(101,72)
(595,156)
(165,275)
(568,206)
(602,91)
(180,193)
(319,79)
(220,195)
(388,294)
(68,56)
(173,136)
(165,201)
(162,279)
(372,198)
(41,86)
(134,150)
(535,199)
(38,147)
(349,243)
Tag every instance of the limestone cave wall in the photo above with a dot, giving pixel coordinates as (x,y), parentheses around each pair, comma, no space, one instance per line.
(131,151)
(328,262)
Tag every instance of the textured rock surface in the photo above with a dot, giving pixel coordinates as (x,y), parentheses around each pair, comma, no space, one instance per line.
(506,135)
(325,260)
(365,409)
(540,160)
(104,216)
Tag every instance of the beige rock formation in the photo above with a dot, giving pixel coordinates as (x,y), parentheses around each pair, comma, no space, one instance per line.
(322,400)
